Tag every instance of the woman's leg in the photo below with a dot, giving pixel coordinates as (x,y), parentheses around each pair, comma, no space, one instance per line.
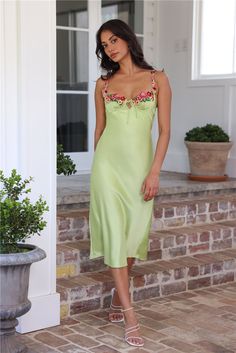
(121,278)
(130,261)
(116,299)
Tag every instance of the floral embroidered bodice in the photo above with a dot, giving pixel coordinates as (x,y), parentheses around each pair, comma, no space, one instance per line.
(143,96)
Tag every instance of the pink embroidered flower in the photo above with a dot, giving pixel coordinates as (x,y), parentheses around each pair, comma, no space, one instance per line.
(141,97)
(114,95)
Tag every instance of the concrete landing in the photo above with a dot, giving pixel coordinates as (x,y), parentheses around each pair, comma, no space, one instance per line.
(75,189)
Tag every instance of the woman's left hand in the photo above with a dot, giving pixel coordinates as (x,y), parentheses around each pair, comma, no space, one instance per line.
(150,186)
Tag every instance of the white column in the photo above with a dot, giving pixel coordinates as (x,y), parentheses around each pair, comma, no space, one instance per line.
(9,91)
(28,121)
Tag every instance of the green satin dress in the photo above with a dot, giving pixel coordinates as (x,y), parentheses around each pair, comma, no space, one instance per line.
(119,218)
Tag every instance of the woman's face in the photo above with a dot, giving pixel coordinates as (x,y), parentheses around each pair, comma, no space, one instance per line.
(114,47)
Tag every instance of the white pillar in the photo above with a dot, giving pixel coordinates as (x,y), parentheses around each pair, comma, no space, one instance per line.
(28,133)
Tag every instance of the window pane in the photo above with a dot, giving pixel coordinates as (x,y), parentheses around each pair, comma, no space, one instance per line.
(72,122)
(129,11)
(138,17)
(72,60)
(72,13)
(217,37)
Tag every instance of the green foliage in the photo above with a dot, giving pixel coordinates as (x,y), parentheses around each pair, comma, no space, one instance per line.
(19,217)
(65,164)
(207,133)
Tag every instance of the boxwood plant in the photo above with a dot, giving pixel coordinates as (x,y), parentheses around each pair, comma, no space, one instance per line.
(65,164)
(20,218)
(207,133)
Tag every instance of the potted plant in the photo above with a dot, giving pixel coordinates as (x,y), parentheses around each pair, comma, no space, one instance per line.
(208,147)
(20,218)
(65,164)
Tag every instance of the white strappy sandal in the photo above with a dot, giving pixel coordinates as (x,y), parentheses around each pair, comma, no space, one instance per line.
(132,329)
(115,308)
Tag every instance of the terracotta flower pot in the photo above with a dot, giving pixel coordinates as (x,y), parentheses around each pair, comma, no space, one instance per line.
(208,160)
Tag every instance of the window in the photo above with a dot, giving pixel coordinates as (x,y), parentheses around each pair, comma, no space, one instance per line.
(214,39)
(72,75)
(78,68)
(129,11)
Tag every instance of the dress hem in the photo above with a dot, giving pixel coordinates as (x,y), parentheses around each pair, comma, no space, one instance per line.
(139,257)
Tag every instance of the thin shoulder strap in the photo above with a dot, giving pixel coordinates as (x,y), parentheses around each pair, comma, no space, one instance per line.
(154,84)
(105,88)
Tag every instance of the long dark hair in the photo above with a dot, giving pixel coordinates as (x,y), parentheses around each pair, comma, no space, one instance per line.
(123,31)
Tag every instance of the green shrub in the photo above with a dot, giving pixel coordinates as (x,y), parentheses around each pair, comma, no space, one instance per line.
(65,164)
(19,217)
(207,133)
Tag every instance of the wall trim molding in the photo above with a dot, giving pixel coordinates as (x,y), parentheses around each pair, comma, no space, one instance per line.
(43,313)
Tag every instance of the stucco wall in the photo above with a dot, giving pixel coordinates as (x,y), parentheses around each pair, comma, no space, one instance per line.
(194,103)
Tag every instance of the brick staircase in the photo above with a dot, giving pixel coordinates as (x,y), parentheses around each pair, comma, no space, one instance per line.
(192,244)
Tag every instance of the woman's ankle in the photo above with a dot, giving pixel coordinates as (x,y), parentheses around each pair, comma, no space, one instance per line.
(130,317)
(115,298)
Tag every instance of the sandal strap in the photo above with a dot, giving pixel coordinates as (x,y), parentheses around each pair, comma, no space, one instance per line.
(136,337)
(132,329)
(112,306)
(127,309)
(115,307)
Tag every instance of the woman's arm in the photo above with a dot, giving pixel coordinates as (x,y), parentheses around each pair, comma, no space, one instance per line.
(100,111)
(164,111)
(151,183)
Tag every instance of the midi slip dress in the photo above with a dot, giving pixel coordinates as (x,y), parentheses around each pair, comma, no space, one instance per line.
(119,218)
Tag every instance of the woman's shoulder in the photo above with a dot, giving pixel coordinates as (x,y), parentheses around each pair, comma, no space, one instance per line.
(102,79)
(160,76)
(158,72)
(100,82)
(100,86)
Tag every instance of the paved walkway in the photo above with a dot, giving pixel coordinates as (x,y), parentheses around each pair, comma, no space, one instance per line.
(198,321)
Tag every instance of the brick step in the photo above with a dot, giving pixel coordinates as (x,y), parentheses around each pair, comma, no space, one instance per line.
(73,224)
(73,257)
(159,279)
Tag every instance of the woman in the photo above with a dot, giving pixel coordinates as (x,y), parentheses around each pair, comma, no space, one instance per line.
(125,174)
